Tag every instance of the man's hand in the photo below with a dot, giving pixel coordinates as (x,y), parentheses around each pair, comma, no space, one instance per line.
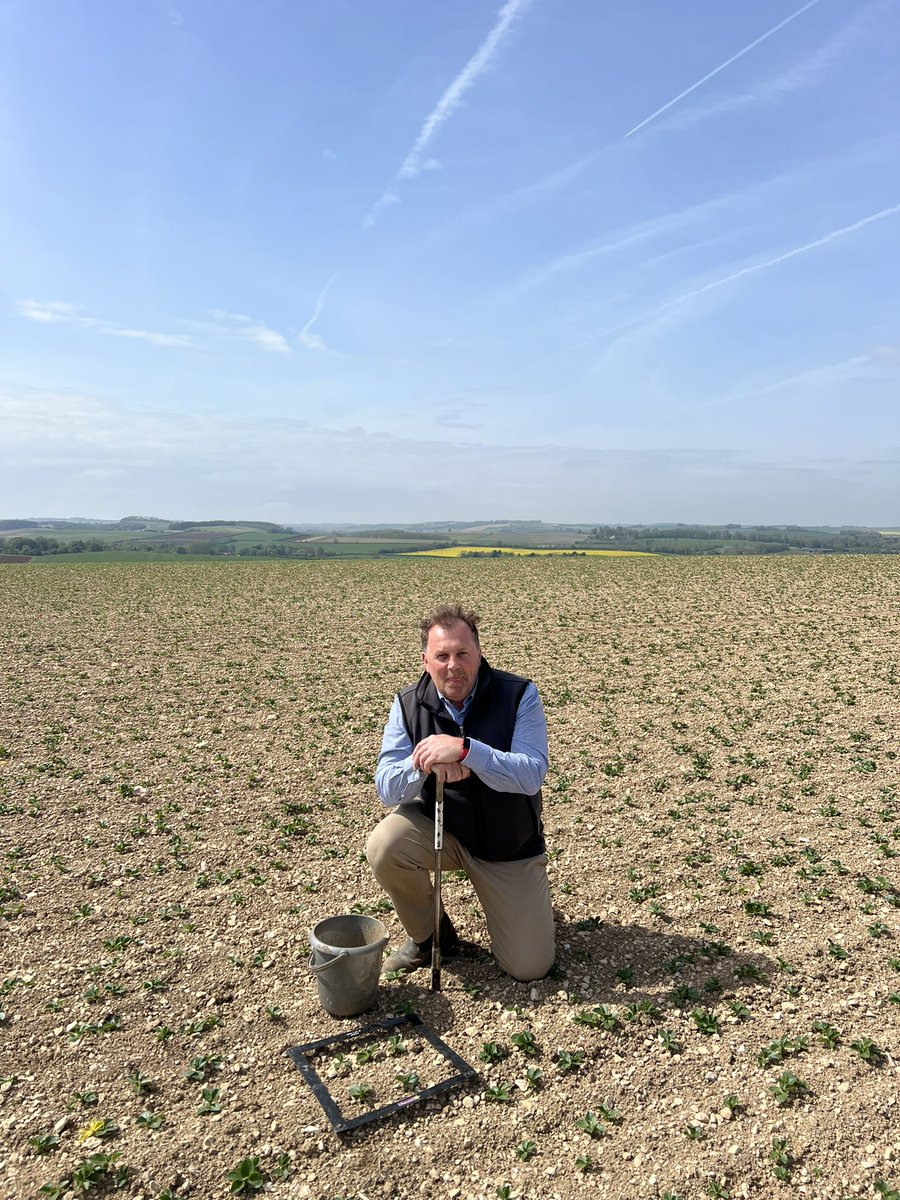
(440,748)
(451,772)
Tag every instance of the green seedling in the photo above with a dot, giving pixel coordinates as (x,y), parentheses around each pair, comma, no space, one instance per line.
(201,1067)
(359,1092)
(683,995)
(97,1171)
(780,1049)
(408,1082)
(732,1103)
(274,1014)
(366,1055)
(749,971)
(498,1093)
(669,1041)
(598,1017)
(868,1051)
(526,1150)
(694,1133)
(395,1046)
(591,1126)
(739,1010)
(828,1035)
(86,1099)
(625,975)
(788,1088)
(609,1113)
(282,1168)
(504,1191)
(584,1163)
(836,950)
(717,1190)
(492,1052)
(706,1022)
(149,1120)
(885,1190)
(568,1060)
(210,1104)
(642,1009)
(56,1191)
(140,1084)
(246,1176)
(81,1029)
(525,1041)
(474,990)
(201,1024)
(534,1078)
(43,1143)
(781,1159)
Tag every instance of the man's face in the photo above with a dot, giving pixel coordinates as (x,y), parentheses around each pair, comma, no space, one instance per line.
(452,660)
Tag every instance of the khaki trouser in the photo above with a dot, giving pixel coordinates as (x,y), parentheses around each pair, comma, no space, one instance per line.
(515,896)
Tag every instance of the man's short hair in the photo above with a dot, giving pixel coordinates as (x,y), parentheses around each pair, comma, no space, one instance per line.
(449,614)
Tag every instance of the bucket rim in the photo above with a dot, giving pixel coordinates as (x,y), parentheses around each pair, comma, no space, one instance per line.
(318,944)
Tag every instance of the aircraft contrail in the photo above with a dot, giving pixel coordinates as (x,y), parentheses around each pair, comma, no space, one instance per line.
(780,258)
(454,92)
(721,67)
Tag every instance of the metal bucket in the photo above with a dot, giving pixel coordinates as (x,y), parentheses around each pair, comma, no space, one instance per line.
(346,961)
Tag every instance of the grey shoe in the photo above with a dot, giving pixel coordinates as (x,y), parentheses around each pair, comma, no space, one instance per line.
(413,955)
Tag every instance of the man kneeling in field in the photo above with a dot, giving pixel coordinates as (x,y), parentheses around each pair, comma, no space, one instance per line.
(484,733)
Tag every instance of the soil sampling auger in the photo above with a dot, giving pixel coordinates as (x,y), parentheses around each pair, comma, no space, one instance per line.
(438,847)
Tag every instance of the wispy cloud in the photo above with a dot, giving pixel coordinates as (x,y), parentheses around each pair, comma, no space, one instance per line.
(721,67)
(452,98)
(56,311)
(256,332)
(626,238)
(856,367)
(224,324)
(308,339)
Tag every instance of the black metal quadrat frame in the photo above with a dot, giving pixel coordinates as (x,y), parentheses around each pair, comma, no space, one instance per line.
(300,1056)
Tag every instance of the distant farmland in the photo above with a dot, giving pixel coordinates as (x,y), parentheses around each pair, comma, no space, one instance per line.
(496,551)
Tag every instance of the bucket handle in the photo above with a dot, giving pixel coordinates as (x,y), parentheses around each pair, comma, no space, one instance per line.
(337,958)
(329,962)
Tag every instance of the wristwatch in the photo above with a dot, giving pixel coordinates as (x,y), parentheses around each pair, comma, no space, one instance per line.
(467,745)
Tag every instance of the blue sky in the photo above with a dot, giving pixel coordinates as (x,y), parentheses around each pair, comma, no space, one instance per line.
(399,260)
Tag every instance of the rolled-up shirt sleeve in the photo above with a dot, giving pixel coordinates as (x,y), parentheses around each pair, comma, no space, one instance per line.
(520,769)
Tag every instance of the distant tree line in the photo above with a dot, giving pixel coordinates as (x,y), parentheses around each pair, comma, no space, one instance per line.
(262,526)
(736,539)
(36,546)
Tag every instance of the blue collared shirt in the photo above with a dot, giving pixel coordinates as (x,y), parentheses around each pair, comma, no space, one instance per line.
(520,769)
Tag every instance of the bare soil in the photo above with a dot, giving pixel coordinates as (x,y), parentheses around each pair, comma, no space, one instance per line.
(186,754)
